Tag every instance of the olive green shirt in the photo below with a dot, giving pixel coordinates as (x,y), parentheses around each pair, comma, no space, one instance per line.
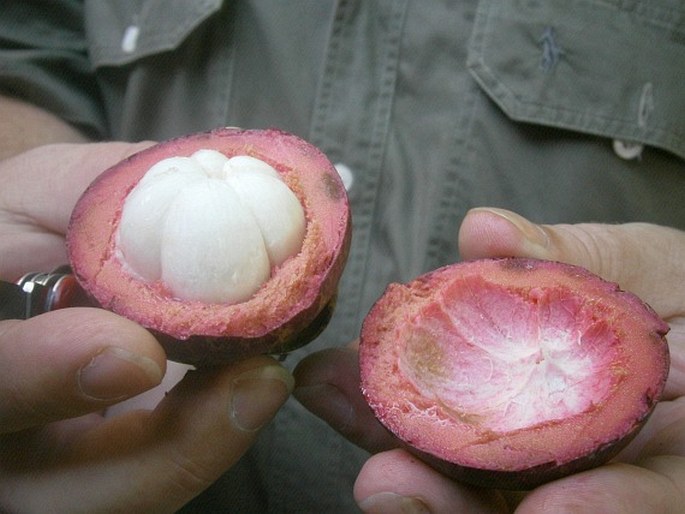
(564,111)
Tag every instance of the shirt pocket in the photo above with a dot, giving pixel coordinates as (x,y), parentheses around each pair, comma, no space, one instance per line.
(125,31)
(162,66)
(609,68)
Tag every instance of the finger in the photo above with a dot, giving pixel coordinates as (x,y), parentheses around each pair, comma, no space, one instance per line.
(328,386)
(662,435)
(25,249)
(72,361)
(616,488)
(156,461)
(175,371)
(669,436)
(643,258)
(395,481)
(55,176)
(40,189)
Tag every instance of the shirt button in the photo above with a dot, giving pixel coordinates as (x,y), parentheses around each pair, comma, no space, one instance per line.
(346,175)
(129,41)
(628,150)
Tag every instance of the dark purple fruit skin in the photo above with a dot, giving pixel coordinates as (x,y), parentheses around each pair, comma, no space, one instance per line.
(528,478)
(203,352)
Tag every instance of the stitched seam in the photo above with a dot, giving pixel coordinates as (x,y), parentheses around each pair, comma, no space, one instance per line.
(661,135)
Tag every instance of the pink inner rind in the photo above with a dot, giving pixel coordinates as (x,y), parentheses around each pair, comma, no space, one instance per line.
(443,400)
(508,359)
(297,290)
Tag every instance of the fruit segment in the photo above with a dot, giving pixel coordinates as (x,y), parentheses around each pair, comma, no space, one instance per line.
(509,373)
(210,227)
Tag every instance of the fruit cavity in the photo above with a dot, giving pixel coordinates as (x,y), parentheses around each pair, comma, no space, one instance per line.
(510,373)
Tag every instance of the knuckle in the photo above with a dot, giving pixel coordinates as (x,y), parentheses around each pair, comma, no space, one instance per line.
(598,250)
(188,476)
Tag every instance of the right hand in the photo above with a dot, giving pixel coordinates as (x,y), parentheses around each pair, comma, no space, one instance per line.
(647,476)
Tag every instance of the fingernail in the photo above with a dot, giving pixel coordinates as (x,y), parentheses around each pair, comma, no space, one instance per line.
(257,395)
(386,503)
(535,238)
(115,374)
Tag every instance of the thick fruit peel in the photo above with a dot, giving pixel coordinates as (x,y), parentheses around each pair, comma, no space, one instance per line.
(508,373)
(289,310)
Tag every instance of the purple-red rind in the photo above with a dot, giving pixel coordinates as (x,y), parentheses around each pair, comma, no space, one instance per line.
(385,393)
(287,312)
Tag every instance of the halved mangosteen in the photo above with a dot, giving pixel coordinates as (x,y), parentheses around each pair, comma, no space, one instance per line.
(225,244)
(509,373)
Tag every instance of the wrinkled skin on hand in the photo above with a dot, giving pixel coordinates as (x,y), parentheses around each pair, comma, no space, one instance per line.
(63,448)
(648,476)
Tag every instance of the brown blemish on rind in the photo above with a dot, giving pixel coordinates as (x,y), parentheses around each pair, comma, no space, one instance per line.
(332,187)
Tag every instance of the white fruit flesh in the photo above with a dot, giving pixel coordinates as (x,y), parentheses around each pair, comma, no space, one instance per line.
(209,227)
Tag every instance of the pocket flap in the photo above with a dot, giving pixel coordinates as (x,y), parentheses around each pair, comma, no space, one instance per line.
(609,68)
(126,30)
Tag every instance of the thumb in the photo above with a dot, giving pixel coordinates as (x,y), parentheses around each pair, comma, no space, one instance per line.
(643,258)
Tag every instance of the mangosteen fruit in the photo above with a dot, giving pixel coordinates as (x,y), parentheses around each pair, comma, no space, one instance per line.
(224,244)
(509,373)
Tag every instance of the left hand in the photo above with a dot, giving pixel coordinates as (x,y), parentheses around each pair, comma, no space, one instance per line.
(648,476)
(60,370)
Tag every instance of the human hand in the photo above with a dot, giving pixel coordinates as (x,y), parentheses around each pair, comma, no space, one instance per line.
(648,476)
(59,372)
